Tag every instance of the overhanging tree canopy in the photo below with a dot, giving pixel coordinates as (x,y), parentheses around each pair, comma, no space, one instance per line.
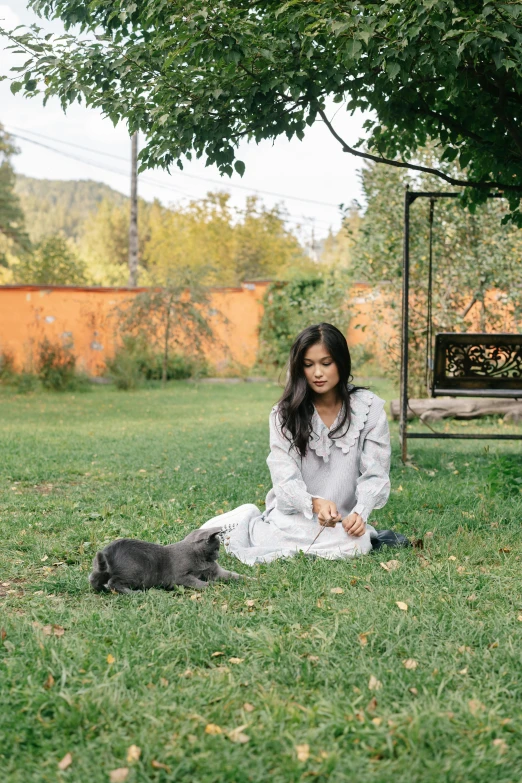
(198,77)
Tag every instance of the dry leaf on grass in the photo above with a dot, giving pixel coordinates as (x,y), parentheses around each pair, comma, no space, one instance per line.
(110,659)
(337,590)
(163,682)
(363,639)
(500,744)
(463,671)
(303,752)
(374,684)
(391,565)
(248,707)
(160,765)
(519,618)
(133,754)
(237,735)
(49,682)
(414,691)
(217,654)
(475,706)
(452,557)
(376,721)
(50,630)
(372,705)
(410,663)
(505,549)
(187,673)
(119,775)
(3,634)
(471,597)
(213,729)
(429,534)
(236,660)
(250,603)
(66,762)
(313,658)
(402,606)
(493,645)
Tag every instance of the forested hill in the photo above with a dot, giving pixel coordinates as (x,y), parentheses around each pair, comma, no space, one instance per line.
(52,206)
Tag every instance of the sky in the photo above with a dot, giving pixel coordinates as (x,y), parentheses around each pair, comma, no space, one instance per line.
(310,177)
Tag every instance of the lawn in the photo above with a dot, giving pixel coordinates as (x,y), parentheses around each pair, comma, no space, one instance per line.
(311,671)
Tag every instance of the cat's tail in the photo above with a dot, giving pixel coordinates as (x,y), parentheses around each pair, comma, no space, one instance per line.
(99,575)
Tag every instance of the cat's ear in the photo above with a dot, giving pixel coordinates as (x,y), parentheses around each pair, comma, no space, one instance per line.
(202,534)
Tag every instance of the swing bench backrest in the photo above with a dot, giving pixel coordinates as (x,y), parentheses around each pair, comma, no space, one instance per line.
(477,365)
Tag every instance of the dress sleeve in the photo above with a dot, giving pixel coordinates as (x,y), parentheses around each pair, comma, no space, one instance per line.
(373,484)
(292,496)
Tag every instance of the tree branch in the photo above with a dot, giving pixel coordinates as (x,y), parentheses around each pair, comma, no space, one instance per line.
(461,183)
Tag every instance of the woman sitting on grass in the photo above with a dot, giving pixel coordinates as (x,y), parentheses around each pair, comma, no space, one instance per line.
(329,461)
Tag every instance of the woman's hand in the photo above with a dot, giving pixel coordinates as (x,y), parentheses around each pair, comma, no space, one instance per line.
(326,510)
(354,525)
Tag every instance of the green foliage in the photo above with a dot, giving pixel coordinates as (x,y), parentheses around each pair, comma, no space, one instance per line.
(52,262)
(7,366)
(135,361)
(505,476)
(13,236)
(56,366)
(290,307)
(62,206)
(197,78)
(477,266)
(154,465)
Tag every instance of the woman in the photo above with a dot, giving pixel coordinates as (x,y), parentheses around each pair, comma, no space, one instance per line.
(329,461)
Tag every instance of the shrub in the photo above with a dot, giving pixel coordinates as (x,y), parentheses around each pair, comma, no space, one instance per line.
(55,366)
(135,361)
(7,367)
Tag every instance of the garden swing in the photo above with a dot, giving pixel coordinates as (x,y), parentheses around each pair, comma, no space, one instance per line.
(462,364)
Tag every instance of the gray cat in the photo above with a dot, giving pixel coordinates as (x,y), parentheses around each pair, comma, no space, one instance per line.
(128,564)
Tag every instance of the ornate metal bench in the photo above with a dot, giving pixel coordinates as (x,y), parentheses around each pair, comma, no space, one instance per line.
(477,365)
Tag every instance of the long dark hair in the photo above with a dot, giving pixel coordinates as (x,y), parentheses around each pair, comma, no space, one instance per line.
(296,406)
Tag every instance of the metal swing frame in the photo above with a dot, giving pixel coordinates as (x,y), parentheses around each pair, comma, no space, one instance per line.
(409,197)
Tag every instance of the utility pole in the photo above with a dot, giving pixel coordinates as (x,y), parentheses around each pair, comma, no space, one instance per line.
(133,226)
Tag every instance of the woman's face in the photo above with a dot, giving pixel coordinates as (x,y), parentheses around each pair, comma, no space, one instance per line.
(320,369)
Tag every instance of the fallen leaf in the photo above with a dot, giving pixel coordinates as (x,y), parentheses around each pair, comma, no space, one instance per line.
(250,603)
(519,618)
(133,754)
(360,717)
(66,762)
(237,735)
(303,752)
(367,587)
(414,691)
(313,658)
(248,707)
(471,597)
(44,558)
(465,649)
(217,654)
(119,775)
(475,706)
(337,590)
(376,721)
(374,684)
(363,639)
(49,682)
(236,660)
(163,682)
(461,569)
(187,673)
(410,663)
(53,630)
(399,488)
(500,744)
(3,634)
(493,645)
(463,671)
(402,606)
(110,659)
(452,557)
(213,728)
(372,705)
(159,765)
(417,543)
(391,565)
(353,582)
(505,549)
(429,534)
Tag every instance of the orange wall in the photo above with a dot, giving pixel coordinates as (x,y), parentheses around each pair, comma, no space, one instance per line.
(84,317)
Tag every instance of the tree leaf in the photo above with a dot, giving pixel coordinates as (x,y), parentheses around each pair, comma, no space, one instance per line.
(119,775)
(374,684)
(303,752)
(133,754)
(402,606)
(66,762)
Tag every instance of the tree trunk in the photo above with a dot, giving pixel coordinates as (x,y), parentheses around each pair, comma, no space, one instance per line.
(166,347)
(133,227)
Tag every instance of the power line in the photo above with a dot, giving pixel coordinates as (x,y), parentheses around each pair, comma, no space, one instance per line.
(291,218)
(183,173)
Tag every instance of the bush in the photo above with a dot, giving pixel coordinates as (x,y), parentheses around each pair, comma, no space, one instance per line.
(56,366)
(25,382)
(7,367)
(134,362)
(290,307)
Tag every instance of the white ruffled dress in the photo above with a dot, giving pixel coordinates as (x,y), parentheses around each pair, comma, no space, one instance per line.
(352,469)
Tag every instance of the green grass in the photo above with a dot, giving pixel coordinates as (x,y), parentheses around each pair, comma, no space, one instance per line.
(80,470)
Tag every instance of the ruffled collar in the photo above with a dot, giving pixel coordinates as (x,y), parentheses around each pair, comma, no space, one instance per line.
(320,440)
